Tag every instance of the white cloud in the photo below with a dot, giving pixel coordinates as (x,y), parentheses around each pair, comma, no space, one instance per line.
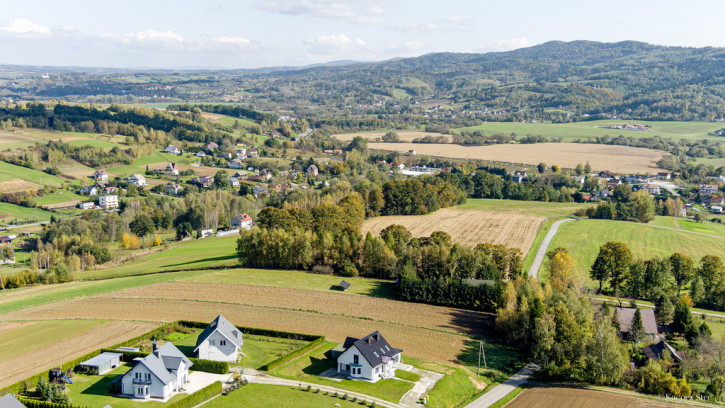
(22,26)
(354,11)
(458,20)
(418,28)
(169,39)
(334,41)
(508,44)
(231,41)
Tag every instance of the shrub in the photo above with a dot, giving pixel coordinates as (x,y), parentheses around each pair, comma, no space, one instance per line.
(349,272)
(323,269)
(209,366)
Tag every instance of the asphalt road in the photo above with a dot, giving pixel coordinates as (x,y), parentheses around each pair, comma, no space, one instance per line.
(541,252)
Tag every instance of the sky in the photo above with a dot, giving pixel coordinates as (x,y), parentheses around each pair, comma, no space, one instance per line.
(217,34)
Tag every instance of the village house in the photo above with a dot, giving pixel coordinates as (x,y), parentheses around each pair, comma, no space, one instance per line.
(242,221)
(653,189)
(715,200)
(234,182)
(171,169)
(259,190)
(200,153)
(211,146)
(88,190)
(241,151)
(100,175)
(108,201)
(708,188)
(203,181)
(625,316)
(174,189)
(265,174)
(312,170)
(664,176)
(87,206)
(253,153)
(109,189)
(235,164)
(7,239)
(225,155)
(519,176)
(137,180)
(614,182)
(172,149)
(370,358)
(658,351)
(158,375)
(220,341)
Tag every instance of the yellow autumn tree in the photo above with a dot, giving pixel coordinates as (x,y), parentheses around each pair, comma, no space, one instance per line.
(157,240)
(561,267)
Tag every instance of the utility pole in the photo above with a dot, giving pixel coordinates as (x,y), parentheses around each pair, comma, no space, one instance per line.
(481,352)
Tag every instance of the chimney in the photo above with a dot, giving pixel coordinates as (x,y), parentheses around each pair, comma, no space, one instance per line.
(155,348)
(377,336)
(368,340)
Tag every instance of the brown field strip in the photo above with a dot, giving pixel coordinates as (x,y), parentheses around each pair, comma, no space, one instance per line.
(8,137)
(555,397)
(331,303)
(18,185)
(468,227)
(7,326)
(418,342)
(622,159)
(405,136)
(25,365)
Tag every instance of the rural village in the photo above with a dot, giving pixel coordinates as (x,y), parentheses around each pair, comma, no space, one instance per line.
(539,226)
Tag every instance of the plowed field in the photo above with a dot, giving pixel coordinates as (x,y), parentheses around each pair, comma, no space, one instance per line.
(554,397)
(467,227)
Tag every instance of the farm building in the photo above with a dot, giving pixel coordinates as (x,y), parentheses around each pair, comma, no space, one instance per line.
(224,232)
(158,375)
(370,358)
(103,362)
(220,341)
(625,316)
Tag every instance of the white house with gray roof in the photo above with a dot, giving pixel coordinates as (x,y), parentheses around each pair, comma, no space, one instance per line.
(158,375)
(220,341)
(370,358)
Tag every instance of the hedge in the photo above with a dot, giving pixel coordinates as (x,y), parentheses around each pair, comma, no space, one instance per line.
(255,331)
(203,395)
(30,403)
(300,351)
(452,294)
(209,366)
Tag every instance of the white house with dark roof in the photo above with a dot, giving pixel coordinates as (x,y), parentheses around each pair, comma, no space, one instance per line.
(220,341)
(172,149)
(370,358)
(158,375)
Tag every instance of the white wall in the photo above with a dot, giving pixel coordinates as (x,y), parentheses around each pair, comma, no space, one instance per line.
(217,352)
(156,389)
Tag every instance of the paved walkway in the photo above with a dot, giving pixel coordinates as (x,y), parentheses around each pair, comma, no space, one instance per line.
(541,252)
(503,389)
(428,380)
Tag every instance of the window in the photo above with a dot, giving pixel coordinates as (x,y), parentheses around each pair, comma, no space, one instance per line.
(222,342)
(148,376)
(356,359)
(211,342)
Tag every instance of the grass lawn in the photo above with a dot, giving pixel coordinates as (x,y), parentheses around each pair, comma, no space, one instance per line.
(584,237)
(539,208)
(92,391)
(192,254)
(266,396)
(92,142)
(583,130)
(37,335)
(309,366)
(407,375)
(298,280)
(61,196)
(31,175)
(451,390)
(706,227)
(19,212)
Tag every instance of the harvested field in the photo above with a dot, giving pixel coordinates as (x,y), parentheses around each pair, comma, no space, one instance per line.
(439,346)
(30,363)
(621,159)
(554,397)
(406,136)
(468,227)
(8,137)
(413,314)
(18,185)
(64,204)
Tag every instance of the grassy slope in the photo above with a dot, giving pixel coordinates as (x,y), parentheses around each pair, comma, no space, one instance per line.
(538,208)
(584,130)
(584,237)
(60,197)
(34,176)
(265,396)
(20,212)
(41,334)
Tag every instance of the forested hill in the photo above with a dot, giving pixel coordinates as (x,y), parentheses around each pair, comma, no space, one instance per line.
(558,81)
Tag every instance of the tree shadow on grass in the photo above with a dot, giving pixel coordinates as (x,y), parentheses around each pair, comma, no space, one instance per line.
(198,261)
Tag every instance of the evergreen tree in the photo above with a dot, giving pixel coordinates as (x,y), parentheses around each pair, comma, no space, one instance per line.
(664,310)
(637,330)
(682,319)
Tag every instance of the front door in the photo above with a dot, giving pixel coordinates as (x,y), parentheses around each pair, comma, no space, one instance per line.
(347,367)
